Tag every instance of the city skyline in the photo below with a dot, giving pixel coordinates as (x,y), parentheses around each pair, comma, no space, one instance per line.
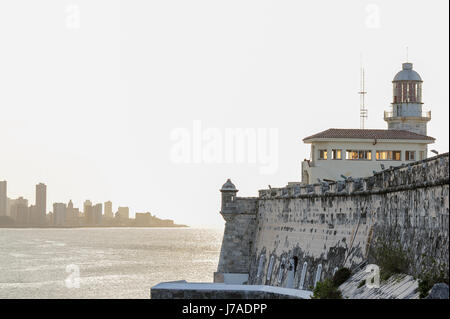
(23,213)
(96,119)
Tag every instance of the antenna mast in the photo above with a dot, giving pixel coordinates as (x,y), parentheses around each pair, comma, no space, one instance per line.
(362,109)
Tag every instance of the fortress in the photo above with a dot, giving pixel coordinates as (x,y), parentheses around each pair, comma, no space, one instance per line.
(293,237)
(300,234)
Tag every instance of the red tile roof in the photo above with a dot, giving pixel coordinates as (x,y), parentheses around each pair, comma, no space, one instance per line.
(369,134)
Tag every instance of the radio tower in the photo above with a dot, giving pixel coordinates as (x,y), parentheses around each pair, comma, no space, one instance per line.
(362,109)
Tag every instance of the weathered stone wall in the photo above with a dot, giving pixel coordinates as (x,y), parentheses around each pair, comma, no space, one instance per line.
(328,226)
(238,235)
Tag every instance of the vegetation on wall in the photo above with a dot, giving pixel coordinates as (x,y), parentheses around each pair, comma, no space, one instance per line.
(390,256)
(329,288)
(326,290)
(341,276)
(388,253)
(436,274)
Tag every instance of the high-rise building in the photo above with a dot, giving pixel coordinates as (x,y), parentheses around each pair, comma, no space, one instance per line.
(3,198)
(20,211)
(97,213)
(108,209)
(87,210)
(71,215)
(9,203)
(41,203)
(34,218)
(59,214)
(123,213)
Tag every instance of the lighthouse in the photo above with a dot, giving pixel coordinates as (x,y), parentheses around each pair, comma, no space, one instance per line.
(338,153)
(407,113)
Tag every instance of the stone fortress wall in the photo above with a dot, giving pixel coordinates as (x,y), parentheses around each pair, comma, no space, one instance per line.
(298,235)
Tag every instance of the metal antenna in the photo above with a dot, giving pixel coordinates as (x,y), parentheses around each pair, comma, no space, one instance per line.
(407,54)
(362,109)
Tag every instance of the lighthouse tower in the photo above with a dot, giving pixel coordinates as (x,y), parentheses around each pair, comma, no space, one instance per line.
(407,114)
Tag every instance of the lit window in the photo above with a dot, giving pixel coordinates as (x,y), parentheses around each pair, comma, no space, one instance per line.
(359,155)
(382,155)
(389,155)
(336,154)
(323,154)
(410,155)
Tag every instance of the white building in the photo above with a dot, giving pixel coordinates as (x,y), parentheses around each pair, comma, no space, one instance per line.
(339,153)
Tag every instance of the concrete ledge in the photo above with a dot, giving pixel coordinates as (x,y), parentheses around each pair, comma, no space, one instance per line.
(230,278)
(185,290)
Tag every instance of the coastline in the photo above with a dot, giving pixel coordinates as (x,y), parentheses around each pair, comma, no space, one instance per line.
(94,226)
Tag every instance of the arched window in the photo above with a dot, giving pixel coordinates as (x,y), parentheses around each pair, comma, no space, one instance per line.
(318,274)
(260,266)
(280,272)
(270,268)
(303,275)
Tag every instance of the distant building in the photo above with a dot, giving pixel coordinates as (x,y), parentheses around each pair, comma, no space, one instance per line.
(123,213)
(340,153)
(20,211)
(72,214)
(108,209)
(41,203)
(76,216)
(34,217)
(9,203)
(147,219)
(3,198)
(88,216)
(59,214)
(97,214)
(143,219)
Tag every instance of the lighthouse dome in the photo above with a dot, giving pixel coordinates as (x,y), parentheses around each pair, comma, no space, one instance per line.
(407,74)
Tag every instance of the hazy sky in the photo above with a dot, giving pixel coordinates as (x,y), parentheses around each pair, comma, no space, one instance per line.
(94,95)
